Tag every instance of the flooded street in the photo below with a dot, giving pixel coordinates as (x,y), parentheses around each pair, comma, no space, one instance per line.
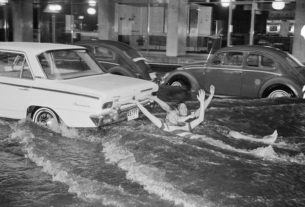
(135,164)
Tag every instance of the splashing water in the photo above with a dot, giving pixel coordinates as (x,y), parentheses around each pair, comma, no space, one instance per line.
(136,164)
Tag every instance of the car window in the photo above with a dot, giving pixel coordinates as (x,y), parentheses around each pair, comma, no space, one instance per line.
(267,62)
(218,59)
(260,61)
(14,65)
(233,58)
(104,53)
(252,60)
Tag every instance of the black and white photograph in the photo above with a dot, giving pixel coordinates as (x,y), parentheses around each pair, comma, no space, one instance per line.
(152,103)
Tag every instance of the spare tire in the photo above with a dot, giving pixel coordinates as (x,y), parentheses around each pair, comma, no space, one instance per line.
(118,70)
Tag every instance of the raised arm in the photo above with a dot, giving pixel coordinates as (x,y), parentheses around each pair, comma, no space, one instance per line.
(161,103)
(207,101)
(156,121)
(201,99)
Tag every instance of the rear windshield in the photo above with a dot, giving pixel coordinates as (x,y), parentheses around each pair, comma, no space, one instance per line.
(66,64)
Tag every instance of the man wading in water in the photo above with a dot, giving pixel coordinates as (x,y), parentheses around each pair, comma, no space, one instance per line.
(178,118)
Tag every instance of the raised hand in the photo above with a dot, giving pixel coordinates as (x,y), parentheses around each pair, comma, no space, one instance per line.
(201,96)
(212,89)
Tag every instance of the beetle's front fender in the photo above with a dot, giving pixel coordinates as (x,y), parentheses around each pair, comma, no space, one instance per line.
(186,75)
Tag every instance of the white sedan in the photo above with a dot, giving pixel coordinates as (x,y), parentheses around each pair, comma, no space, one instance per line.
(63,83)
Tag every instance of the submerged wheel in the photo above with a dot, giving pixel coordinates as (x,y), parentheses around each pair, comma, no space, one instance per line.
(277,93)
(182,83)
(45,117)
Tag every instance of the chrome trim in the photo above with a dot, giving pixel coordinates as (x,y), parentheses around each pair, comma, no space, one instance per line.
(139,59)
(148,89)
(245,70)
(52,90)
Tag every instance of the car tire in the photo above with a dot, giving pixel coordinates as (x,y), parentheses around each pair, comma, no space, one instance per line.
(45,117)
(280,92)
(182,82)
(121,71)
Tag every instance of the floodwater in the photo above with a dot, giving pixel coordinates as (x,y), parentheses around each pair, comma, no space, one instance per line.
(135,164)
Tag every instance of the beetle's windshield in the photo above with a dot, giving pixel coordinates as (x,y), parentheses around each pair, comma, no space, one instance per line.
(66,64)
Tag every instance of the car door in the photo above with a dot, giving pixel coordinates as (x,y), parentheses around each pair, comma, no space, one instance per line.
(224,72)
(258,69)
(15,85)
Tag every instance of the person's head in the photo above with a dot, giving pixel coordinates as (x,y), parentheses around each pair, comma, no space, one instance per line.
(182,109)
(174,116)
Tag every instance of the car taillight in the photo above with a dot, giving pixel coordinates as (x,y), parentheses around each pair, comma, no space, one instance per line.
(107,105)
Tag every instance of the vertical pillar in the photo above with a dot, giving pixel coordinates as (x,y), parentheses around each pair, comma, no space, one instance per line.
(176,27)
(106,20)
(230,26)
(22,13)
(299,41)
(253,8)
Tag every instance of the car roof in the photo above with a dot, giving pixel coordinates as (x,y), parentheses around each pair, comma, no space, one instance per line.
(255,48)
(117,44)
(35,47)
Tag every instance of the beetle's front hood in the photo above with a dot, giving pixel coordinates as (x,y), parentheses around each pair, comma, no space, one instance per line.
(112,85)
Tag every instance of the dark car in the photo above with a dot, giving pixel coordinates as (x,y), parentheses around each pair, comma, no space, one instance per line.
(118,58)
(244,71)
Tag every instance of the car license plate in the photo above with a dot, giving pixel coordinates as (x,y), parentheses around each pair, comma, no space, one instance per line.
(132,114)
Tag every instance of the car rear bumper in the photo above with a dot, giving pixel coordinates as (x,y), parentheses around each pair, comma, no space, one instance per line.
(114,116)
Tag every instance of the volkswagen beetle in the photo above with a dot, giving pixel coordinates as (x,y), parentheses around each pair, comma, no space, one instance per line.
(245,72)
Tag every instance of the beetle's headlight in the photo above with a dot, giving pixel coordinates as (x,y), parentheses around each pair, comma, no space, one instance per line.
(107,105)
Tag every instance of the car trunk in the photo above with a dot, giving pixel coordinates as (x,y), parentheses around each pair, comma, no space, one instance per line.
(115,86)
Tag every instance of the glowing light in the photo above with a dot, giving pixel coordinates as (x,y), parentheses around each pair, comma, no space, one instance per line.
(55,7)
(3,2)
(92,3)
(91,11)
(303,33)
(226,3)
(278,5)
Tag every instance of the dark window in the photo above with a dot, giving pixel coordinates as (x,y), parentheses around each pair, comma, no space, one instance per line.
(233,58)
(104,53)
(267,62)
(218,59)
(252,60)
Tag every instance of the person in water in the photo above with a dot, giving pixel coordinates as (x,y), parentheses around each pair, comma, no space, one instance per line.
(178,118)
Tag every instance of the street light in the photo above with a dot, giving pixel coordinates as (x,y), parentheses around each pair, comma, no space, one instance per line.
(3,2)
(278,4)
(226,3)
(91,11)
(92,3)
(53,9)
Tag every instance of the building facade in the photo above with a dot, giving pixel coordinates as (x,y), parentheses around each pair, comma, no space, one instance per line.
(172,27)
